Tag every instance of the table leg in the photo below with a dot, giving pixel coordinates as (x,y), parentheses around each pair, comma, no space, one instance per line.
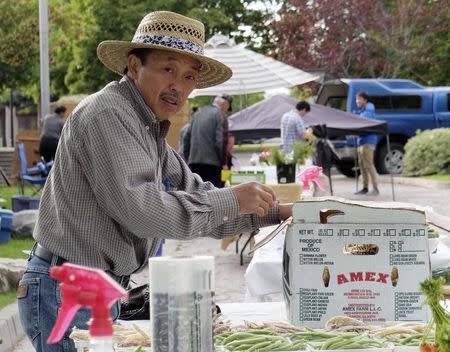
(252,234)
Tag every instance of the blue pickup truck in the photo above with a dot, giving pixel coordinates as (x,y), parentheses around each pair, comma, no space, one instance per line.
(405,105)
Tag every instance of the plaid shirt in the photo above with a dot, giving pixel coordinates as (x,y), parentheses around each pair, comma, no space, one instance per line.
(104,204)
(292,128)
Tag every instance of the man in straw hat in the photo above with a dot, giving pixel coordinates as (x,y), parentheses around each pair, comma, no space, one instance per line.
(116,188)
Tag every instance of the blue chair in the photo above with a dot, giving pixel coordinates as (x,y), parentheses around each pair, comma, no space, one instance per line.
(32,175)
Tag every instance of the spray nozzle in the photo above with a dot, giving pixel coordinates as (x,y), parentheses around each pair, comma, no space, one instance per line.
(311,174)
(85,287)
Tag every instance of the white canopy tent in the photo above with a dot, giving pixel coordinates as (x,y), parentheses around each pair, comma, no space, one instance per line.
(252,72)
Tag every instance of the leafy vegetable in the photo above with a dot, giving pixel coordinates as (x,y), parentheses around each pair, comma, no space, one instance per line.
(434,292)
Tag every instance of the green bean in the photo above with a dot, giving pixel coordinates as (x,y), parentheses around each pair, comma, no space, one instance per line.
(360,344)
(235,336)
(337,340)
(286,346)
(243,347)
(272,346)
(298,345)
(250,341)
(416,339)
(260,345)
(262,332)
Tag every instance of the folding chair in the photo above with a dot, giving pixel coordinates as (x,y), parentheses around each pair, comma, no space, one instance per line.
(29,175)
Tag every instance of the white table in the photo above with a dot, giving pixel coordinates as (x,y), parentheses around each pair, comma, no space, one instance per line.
(264,273)
(236,313)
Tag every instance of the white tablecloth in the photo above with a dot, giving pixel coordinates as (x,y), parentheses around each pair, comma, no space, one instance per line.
(264,273)
(236,313)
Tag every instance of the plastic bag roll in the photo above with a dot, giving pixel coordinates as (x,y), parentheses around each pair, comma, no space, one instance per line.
(182,304)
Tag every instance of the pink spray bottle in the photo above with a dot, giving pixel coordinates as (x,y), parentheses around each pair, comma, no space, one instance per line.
(86,287)
(307,177)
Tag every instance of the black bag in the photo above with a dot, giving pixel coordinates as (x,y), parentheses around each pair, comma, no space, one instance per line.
(137,305)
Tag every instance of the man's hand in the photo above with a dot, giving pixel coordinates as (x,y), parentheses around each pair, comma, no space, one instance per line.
(254,198)
(284,211)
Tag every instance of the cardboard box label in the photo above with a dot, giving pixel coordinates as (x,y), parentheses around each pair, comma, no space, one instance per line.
(357,268)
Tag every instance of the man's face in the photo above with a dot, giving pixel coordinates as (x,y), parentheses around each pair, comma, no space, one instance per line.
(164,81)
(302,112)
(360,101)
(224,106)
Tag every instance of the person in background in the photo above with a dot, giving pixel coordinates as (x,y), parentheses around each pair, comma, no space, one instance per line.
(204,142)
(292,126)
(366,147)
(182,134)
(51,131)
(230,159)
(226,135)
(117,189)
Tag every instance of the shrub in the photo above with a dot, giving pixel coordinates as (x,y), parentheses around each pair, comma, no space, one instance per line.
(428,153)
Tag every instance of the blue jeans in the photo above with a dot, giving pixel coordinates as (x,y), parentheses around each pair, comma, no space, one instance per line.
(39,300)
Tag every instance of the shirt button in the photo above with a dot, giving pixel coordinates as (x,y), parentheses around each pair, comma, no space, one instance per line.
(147,127)
(225,218)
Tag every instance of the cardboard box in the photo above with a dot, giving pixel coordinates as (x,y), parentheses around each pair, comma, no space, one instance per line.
(327,271)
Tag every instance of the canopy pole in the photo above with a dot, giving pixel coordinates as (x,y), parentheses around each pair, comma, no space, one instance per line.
(331,184)
(329,178)
(390,169)
(323,141)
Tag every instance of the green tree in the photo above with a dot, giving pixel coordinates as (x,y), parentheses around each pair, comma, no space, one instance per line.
(434,69)
(19,45)
(76,27)
(111,19)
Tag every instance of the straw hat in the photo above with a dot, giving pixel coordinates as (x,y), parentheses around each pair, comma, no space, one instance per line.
(166,31)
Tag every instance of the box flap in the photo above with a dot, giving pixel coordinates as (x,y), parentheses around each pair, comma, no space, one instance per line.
(272,235)
(431,217)
(355,211)
(325,204)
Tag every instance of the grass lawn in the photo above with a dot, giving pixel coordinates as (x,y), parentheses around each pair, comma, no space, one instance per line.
(7,192)
(13,249)
(7,298)
(438,177)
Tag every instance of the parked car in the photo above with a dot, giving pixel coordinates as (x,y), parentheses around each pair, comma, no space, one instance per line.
(405,105)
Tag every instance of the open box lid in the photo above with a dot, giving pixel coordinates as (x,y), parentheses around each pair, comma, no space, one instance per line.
(318,211)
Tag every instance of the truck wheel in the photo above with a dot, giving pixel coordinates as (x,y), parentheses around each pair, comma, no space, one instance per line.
(347,167)
(390,162)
